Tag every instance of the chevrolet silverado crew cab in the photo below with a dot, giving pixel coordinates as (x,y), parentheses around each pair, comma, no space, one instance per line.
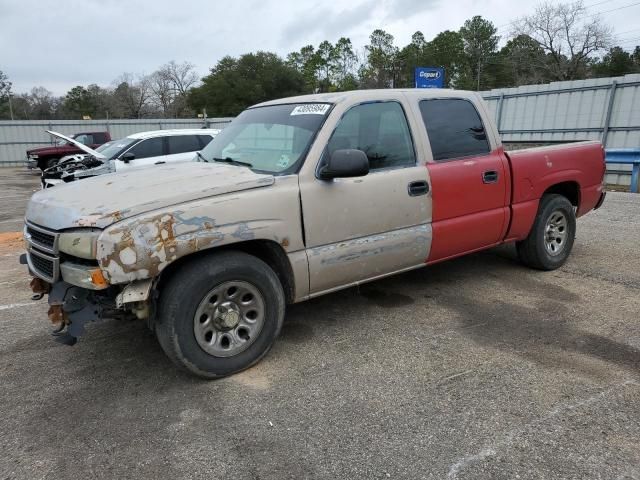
(297,198)
(142,149)
(46,157)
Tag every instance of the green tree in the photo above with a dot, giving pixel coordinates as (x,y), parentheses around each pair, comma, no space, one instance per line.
(344,62)
(381,67)
(615,63)
(635,56)
(5,91)
(520,62)
(78,102)
(325,62)
(234,84)
(306,63)
(446,50)
(480,43)
(415,54)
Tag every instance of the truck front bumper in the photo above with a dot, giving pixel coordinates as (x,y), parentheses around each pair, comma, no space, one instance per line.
(74,302)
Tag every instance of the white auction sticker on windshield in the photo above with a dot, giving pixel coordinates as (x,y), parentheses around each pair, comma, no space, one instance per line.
(311,109)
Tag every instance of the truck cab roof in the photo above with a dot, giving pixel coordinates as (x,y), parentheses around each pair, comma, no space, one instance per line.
(374,95)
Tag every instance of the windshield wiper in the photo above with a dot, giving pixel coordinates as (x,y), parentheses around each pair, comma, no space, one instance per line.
(232,161)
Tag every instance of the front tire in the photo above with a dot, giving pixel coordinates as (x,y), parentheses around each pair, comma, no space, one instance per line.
(220,314)
(45,163)
(550,240)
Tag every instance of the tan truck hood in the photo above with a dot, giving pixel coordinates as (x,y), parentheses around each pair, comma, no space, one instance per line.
(106,199)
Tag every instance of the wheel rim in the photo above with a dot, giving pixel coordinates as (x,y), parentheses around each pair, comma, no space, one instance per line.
(229,318)
(555,233)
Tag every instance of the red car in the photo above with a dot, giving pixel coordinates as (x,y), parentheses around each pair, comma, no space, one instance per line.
(45,157)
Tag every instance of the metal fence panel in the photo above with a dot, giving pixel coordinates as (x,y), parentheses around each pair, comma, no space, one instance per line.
(18,136)
(605,109)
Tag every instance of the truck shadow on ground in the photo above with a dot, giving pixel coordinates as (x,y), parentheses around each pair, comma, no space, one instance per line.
(546,332)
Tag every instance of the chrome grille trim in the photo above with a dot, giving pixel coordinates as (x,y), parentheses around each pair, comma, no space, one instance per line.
(53,248)
(55,265)
(39,252)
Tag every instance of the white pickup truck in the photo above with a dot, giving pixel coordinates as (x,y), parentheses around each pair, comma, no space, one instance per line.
(297,198)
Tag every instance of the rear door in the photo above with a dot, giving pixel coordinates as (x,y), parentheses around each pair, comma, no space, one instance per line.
(469,179)
(182,148)
(367,227)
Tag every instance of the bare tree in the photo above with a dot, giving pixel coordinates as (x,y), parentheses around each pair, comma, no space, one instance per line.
(162,91)
(170,85)
(567,34)
(182,75)
(133,94)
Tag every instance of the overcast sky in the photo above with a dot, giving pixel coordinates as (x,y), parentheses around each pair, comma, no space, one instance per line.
(60,44)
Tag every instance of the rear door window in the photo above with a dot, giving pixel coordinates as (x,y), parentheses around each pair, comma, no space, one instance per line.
(454,128)
(151,147)
(183,144)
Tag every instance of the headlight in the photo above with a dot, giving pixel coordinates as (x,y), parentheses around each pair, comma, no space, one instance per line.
(79,243)
(33,156)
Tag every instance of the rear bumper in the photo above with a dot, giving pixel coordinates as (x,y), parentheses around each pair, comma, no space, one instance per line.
(600,201)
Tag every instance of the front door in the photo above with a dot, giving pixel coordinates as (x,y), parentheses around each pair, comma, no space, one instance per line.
(366,227)
(147,152)
(470,181)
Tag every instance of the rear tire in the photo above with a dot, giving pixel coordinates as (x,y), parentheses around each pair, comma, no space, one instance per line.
(550,240)
(220,314)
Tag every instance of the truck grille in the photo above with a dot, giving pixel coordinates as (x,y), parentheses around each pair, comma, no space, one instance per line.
(42,246)
(43,265)
(41,238)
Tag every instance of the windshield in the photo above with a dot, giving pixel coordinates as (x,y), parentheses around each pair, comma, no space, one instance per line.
(111,149)
(62,142)
(272,139)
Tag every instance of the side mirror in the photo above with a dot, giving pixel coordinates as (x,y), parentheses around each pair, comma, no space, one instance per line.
(127,157)
(344,164)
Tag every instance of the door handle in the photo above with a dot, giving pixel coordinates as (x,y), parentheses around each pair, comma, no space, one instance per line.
(420,187)
(159,163)
(490,176)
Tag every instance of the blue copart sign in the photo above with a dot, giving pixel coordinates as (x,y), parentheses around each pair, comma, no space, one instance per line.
(429,77)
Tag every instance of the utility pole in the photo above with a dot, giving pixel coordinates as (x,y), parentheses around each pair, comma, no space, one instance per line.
(10,106)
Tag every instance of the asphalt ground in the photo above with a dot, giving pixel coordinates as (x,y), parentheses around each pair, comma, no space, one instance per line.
(477,368)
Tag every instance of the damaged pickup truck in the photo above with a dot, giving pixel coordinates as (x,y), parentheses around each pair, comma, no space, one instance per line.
(142,149)
(299,197)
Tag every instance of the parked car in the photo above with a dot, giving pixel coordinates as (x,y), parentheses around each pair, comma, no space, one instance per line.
(46,157)
(300,197)
(137,150)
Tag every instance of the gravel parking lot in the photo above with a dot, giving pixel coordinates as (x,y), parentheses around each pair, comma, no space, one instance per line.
(473,369)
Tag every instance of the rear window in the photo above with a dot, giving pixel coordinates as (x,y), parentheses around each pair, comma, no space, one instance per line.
(204,140)
(99,138)
(183,144)
(454,128)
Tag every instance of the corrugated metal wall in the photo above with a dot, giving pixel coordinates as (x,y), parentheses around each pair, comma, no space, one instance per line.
(18,136)
(606,109)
